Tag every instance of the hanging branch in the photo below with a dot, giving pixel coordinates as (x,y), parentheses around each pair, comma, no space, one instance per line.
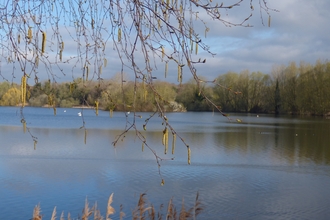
(46,38)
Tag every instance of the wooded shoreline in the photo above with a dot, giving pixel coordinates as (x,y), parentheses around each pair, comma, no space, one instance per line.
(299,90)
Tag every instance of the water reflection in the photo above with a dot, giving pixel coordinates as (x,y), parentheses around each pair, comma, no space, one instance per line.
(262,168)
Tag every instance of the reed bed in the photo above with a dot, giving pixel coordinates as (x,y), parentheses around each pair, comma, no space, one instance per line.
(143,210)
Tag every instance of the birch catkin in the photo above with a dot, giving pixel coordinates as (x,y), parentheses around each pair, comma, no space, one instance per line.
(43,45)
(165,139)
(36,62)
(29,35)
(23,90)
(87,72)
(97,108)
(196,50)
(119,34)
(189,154)
(166,69)
(61,50)
(173,143)
(163,52)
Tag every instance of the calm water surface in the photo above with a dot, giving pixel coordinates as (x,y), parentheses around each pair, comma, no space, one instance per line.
(263,168)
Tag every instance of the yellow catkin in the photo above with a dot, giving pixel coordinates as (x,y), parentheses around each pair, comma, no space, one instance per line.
(159,23)
(119,34)
(29,35)
(166,17)
(35,144)
(23,90)
(43,45)
(163,52)
(85,137)
(61,50)
(87,72)
(166,69)
(269,19)
(180,24)
(173,143)
(142,146)
(105,62)
(100,70)
(36,62)
(196,50)
(111,113)
(19,38)
(165,140)
(97,108)
(189,154)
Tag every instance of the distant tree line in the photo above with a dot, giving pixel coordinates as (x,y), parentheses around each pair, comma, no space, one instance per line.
(292,89)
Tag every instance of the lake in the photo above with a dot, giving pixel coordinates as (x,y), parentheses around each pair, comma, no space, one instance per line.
(265,167)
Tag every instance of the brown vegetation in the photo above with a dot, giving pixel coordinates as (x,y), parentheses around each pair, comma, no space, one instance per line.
(143,210)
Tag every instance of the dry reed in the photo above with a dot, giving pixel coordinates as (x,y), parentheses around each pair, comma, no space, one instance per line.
(143,210)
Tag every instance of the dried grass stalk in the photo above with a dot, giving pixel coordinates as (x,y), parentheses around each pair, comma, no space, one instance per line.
(53,214)
(110,209)
(36,213)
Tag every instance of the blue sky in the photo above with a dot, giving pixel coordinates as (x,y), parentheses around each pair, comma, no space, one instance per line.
(298,33)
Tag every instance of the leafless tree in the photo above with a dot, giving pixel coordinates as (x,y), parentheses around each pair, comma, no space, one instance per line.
(41,37)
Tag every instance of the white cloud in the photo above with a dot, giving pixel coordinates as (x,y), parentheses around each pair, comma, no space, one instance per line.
(297,33)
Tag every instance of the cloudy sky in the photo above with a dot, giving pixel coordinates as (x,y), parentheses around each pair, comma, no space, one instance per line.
(298,33)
